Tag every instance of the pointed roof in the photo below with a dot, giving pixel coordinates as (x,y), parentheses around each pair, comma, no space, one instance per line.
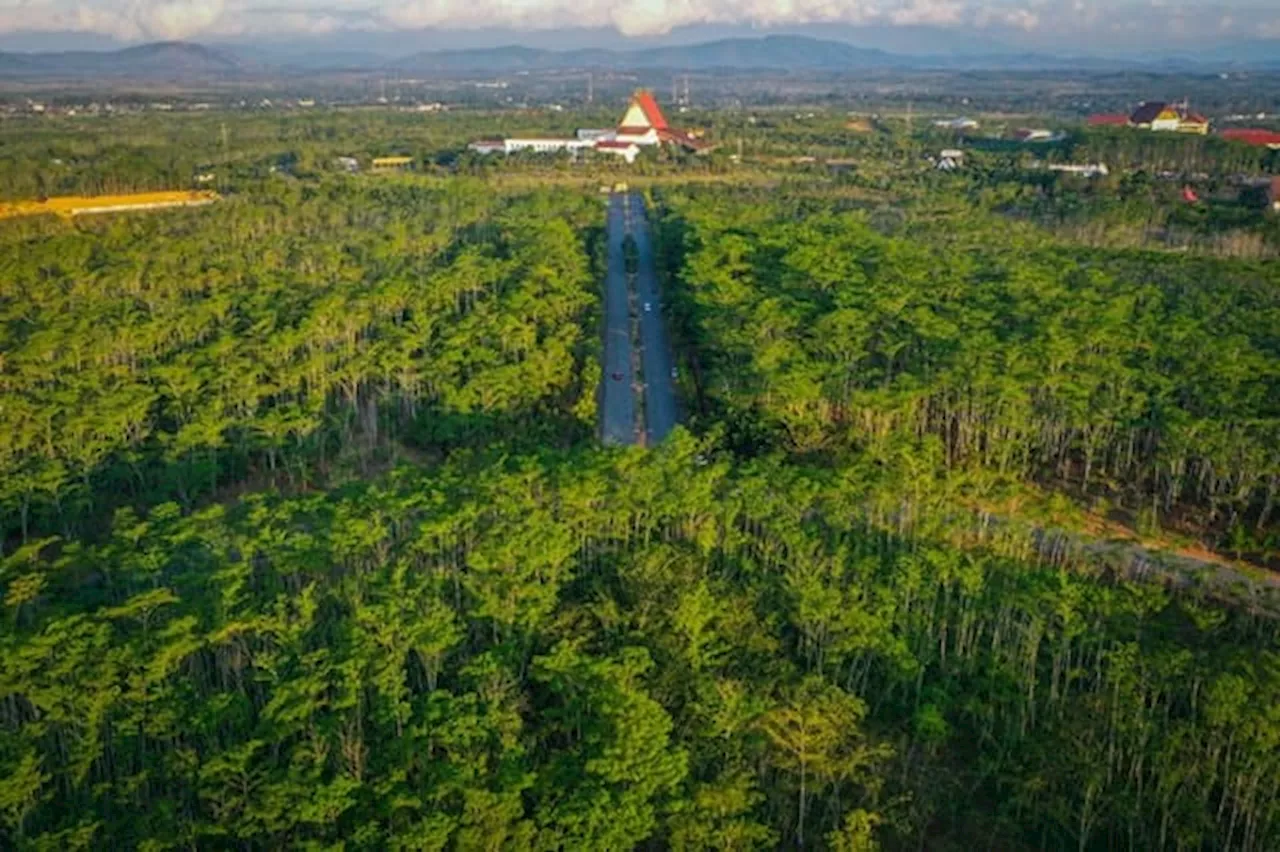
(643,111)
(652,111)
(1147,112)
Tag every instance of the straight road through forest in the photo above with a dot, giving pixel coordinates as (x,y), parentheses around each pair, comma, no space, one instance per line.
(655,350)
(617,402)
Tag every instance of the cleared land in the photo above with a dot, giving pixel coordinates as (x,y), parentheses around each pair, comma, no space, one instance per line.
(82,205)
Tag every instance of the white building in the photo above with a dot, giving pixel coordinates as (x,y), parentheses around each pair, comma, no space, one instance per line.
(626,150)
(545,145)
(1086,169)
(956,124)
(642,125)
(949,159)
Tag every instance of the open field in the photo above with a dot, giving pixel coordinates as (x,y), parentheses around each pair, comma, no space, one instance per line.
(68,206)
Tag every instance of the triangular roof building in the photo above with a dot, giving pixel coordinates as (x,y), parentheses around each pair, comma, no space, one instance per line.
(642,114)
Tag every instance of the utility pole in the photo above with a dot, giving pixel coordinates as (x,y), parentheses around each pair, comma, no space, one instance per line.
(591,94)
(686,90)
(675,92)
(909,105)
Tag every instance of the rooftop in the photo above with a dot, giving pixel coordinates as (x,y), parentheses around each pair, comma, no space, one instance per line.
(1253,136)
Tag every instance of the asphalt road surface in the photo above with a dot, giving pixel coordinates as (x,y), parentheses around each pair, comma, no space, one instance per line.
(618,406)
(655,349)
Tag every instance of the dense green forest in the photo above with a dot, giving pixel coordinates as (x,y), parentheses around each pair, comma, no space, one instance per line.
(270,327)
(306,540)
(591,650)
(1152,380)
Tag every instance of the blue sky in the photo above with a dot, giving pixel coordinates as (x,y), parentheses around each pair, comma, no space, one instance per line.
(1074,26)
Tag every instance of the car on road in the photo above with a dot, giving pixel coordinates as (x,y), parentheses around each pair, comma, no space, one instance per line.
(617,377)
(675,374)
(647,307)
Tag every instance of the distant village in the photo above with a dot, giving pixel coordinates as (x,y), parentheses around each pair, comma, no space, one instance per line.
(1151,116)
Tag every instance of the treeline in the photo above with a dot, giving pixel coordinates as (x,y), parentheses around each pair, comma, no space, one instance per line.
(110,154)
(158,357)
(609,651)
(1149,379)
(1141,149)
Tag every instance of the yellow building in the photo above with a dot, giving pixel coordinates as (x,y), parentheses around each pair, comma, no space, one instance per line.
(391,164)
(1177,118)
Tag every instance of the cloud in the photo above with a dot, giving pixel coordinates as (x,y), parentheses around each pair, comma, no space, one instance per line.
(931,12)
(1051,22)
(629,17)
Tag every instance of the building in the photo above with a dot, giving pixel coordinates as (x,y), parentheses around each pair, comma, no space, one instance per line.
(488,146)
(957,124)
(1036,134)
(642,125)
(545,144)
(949,159)
(1085,169)
(1165,117)
(350,165)
(626,150)
(1263,138)
(1273,195)
(1108,119)
(391,164)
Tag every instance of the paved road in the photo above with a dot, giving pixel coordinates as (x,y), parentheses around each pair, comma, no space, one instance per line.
(618,406)
(659,386)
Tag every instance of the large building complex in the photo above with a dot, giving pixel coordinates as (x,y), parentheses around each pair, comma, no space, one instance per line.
(1158,116)
(642,125)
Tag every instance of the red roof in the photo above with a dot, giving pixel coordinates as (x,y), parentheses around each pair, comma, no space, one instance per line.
(644,99)
(634,131)
(1108,120)
(1252,136)
(679,137)
(613,143)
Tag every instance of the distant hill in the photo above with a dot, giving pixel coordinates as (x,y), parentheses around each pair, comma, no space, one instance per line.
(171,59)
(771,52)
(780,53)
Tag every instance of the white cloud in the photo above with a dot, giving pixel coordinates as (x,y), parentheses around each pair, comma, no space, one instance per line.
(933,12)
(1052,20)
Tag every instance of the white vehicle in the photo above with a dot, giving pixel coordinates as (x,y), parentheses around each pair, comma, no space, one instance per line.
(648,308)
(675,373)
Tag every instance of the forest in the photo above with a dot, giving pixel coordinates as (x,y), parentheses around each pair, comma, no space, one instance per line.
(307,540)
(1149,380)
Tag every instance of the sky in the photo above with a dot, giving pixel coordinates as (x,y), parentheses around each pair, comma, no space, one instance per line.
(1071,26)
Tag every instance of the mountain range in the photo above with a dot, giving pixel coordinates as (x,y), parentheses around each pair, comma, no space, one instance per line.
(184,60)
(160,60)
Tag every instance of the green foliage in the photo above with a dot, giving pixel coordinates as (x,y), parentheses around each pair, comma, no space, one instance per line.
(305,544)
(719,656)
(1148,378)
(271,329)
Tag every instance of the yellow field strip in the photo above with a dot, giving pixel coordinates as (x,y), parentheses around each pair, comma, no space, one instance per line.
(81,205)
